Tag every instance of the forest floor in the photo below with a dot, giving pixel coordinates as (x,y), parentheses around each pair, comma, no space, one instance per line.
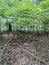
(20,48)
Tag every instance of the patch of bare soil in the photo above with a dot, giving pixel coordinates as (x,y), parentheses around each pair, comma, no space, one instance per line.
(20,48)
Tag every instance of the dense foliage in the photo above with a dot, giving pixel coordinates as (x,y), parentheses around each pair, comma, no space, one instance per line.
(28,15)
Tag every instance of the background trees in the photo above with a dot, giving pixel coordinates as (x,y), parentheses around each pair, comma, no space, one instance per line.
(25,14)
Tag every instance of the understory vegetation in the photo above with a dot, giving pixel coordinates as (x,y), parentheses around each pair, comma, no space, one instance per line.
(28,15)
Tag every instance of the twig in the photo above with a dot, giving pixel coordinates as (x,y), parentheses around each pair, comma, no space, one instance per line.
(37,57)
(6,44)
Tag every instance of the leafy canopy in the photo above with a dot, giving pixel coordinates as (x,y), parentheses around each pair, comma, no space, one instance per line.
(24,11)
